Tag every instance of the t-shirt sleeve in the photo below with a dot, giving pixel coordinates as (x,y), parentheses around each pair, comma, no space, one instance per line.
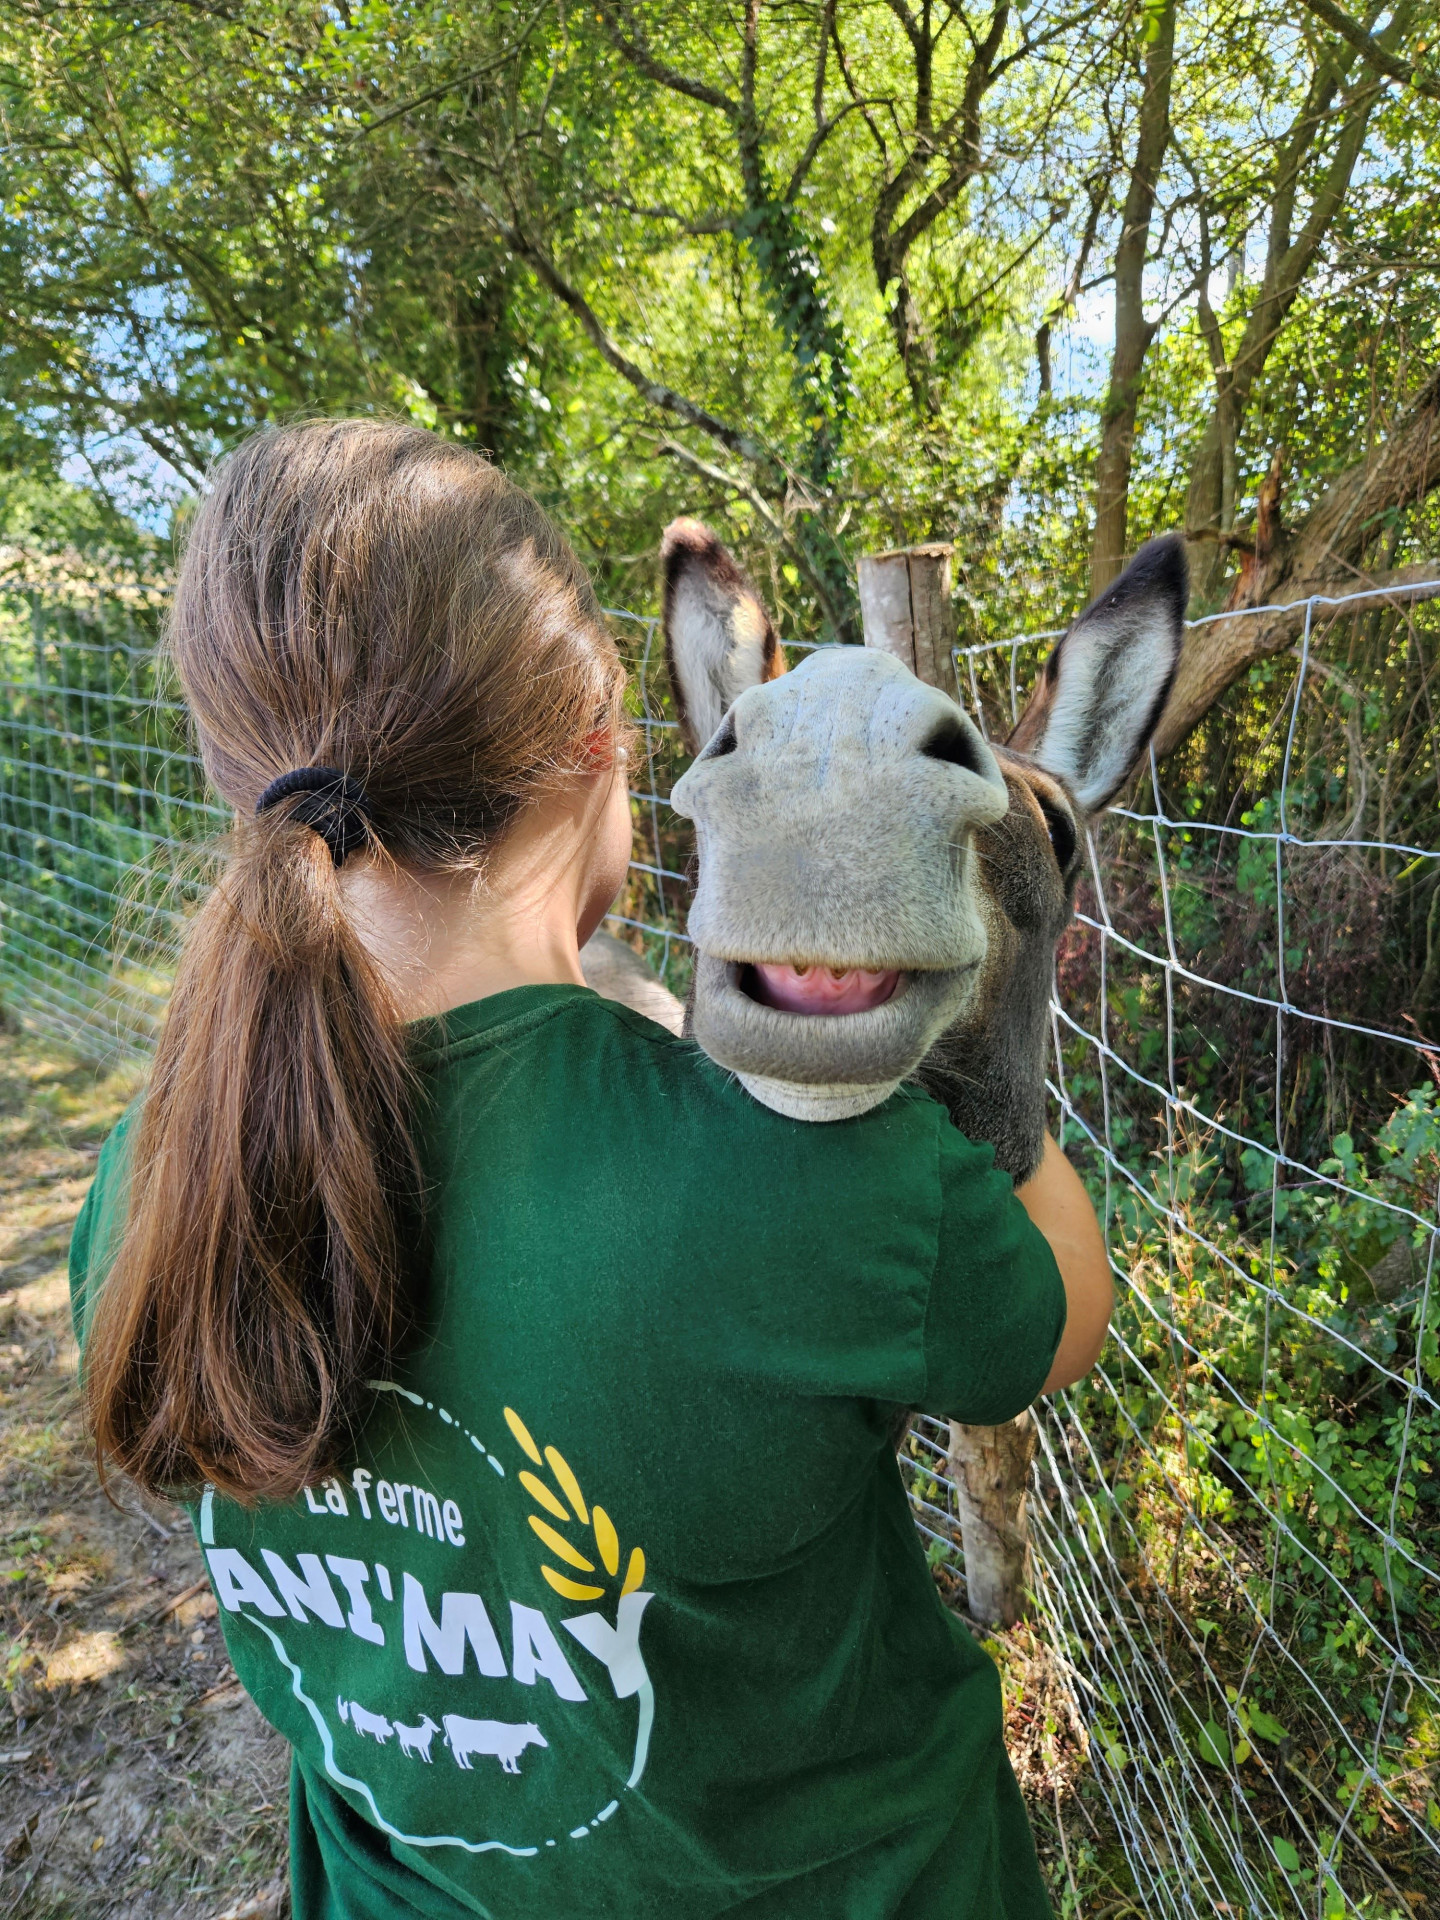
(996,1309)
(95,1238)
(80,1240)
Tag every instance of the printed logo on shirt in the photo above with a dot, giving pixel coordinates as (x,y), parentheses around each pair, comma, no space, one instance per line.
(473,1649)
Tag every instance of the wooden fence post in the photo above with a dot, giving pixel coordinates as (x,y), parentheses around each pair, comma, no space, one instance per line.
(991,1470)
(905,610)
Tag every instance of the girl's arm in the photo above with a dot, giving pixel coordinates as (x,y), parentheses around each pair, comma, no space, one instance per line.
(1060,1207)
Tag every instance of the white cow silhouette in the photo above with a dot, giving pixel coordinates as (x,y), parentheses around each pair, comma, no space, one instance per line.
(415,1740)
(505,1739)
(363,1722)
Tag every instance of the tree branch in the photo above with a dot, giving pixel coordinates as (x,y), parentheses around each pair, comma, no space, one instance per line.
(705,223)
(842,60)
(1371,50)
(1216,655)
(817,140)
(1133,331)
(732,483)
(655,391)
(636,49)
(1287,262)
(1322,557)
(957,142)
(460,80)
(1095,192)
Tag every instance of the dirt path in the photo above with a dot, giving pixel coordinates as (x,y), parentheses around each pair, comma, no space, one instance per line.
(136,1780)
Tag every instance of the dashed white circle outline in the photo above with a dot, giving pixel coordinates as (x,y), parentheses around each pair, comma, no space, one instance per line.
(645,1696)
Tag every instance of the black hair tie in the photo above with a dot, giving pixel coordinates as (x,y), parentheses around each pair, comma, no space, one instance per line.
(332,805)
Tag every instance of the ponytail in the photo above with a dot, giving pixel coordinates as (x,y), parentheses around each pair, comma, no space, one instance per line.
(259,1282)
(369,602)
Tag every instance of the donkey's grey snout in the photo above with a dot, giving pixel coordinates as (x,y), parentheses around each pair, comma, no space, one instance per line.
(832,811)
(918,736)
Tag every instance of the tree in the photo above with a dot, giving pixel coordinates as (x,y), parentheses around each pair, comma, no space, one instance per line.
(743,147)
(1133,330)
(790,257)
(1325,139)
(196,244)
(1323,556)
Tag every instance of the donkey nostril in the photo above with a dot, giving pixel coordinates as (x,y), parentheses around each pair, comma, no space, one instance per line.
(722,741)
(954,744)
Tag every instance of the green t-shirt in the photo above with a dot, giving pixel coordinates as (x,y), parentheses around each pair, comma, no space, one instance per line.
(619,1608)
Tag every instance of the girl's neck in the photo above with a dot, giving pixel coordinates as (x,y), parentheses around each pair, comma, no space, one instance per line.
(444,939)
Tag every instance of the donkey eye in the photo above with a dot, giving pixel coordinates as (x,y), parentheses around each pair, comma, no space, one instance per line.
(1061,829)
(722,741)
(950,742)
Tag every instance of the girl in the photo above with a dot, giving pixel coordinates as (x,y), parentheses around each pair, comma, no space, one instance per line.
(531,1386)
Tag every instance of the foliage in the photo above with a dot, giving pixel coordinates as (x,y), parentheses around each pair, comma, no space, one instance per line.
(835,273)
(1259,1431)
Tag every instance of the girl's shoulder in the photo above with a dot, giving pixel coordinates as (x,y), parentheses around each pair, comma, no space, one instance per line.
(615,1057)
(561,1089)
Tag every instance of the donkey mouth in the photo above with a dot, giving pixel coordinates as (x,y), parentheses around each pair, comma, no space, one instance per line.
(808,988)
(851,1040)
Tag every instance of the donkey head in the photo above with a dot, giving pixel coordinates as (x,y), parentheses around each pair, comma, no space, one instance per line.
(880,892)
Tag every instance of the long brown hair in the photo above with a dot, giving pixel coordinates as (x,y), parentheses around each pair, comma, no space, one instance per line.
(368,597)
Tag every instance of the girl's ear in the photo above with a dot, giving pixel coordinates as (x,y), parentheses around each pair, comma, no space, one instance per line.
(719,639)
(600,751)
(1104,687)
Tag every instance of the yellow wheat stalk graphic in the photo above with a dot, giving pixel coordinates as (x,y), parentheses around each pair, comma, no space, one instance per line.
(568,1507)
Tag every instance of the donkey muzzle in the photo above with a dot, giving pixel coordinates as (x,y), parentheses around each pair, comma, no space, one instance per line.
(824,1066)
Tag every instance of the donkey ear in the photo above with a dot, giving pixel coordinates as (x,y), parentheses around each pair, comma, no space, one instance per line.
(719,639)
(1105,685)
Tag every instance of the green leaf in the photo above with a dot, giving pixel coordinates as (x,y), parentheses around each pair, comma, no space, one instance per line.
(1213,1745)
(1265,1726)
(1285,1853)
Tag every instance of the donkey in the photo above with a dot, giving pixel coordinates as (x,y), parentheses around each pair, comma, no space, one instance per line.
(880,891)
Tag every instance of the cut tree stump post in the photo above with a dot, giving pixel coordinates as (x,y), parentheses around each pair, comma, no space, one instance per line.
(905,610)
(991,1470)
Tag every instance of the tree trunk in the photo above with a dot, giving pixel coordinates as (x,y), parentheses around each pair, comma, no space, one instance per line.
(1133,332)
(991,1470)
(485,345)
(1288,260)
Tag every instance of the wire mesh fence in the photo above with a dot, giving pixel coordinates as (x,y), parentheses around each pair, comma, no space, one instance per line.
(102,808)
(1235,1519)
